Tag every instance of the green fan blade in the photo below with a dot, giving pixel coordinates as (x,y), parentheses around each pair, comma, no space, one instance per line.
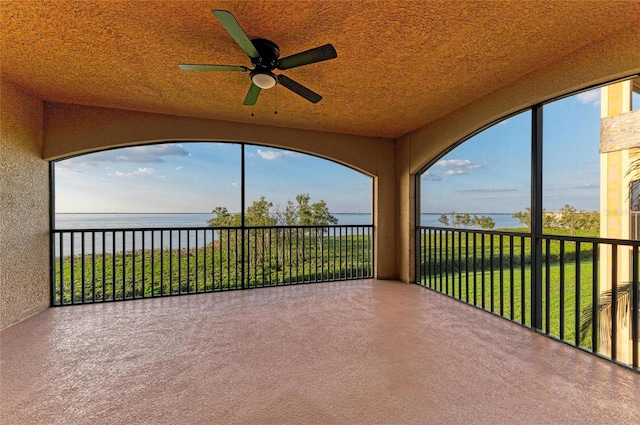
(317,54)
(235,30)
(299,89)
(223,68)
(252,95)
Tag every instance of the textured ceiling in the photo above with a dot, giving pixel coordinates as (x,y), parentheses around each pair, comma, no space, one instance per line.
(400,65)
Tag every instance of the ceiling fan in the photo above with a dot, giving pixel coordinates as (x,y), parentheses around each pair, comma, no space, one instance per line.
(264,55)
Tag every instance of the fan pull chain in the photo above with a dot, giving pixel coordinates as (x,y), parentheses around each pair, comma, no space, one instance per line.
(251,110)
(275,95)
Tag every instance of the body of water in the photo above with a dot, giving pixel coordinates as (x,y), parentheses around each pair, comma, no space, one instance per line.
(115,241)
(147,221)
(105,232)
(142,221)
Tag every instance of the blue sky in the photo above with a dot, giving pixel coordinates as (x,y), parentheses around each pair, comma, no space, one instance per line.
(197,177)
(488,173)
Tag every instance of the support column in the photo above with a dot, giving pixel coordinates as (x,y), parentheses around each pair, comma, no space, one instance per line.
(619,148)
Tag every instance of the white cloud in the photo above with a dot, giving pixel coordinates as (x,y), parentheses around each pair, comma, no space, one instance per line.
(139,171)
(428,176)
(590,97)
(269,155)
(179,168)
(457,172)
(63,168)
(488,190)
(138,154)
(235,184)
(457,167)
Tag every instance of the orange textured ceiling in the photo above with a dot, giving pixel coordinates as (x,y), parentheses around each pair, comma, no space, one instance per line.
(400,64)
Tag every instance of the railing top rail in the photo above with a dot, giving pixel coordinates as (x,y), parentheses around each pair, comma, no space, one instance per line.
(477,231)
(155,229)
(585,239)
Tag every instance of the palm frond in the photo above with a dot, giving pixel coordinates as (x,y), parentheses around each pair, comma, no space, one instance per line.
(605,302)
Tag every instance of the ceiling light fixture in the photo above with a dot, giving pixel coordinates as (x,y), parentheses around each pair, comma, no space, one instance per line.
(264,79)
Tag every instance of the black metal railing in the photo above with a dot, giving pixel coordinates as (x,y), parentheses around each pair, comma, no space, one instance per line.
(583,283)
(98,265)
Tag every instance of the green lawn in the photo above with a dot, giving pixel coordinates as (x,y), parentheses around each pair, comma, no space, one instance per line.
(453,263)
(507,294)
(147,273)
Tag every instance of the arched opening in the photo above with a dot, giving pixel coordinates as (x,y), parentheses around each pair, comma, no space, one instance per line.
(528,219)
(174,218)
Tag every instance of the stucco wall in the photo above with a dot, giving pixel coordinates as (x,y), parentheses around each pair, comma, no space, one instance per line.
(24,199)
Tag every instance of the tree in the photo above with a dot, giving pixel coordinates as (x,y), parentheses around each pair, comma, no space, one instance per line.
(259,214)
(444,219)
(314,214)
(223,218)
(549,221)
(569,218)
(257,242)
(524,217)
(591,222)
(484,222)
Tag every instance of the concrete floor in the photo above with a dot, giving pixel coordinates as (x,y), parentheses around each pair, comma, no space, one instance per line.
(364,352)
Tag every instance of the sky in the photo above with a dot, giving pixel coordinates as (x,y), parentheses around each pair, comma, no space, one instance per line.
(488,173)
(198,177)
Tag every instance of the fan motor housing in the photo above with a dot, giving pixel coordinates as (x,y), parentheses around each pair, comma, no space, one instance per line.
(269,54)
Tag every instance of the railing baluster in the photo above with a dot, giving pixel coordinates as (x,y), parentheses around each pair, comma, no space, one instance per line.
(594,300)
(104,267)
(180,261)
(204,261)
(562,294)
(491,273)
(82,264)
(475,271)
(196,249)
(523,301)
(547,282)
(93,266)
(635,306)
(482,280)
(501,260)
(466,265)
(162,262)
(446,262)
(459,263)
(124,265)
(578,289)
(614,301)
(113,266)
(153,263)
(511,276)
(133,264)
(61,252)
(171,262)
(72,268)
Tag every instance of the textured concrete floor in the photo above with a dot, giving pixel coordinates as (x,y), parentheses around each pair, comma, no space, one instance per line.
(365,352)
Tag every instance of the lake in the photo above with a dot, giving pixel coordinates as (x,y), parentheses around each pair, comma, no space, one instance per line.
(138,221)
(97,242)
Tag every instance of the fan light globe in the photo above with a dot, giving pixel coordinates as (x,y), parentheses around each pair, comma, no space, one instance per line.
(264,80)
